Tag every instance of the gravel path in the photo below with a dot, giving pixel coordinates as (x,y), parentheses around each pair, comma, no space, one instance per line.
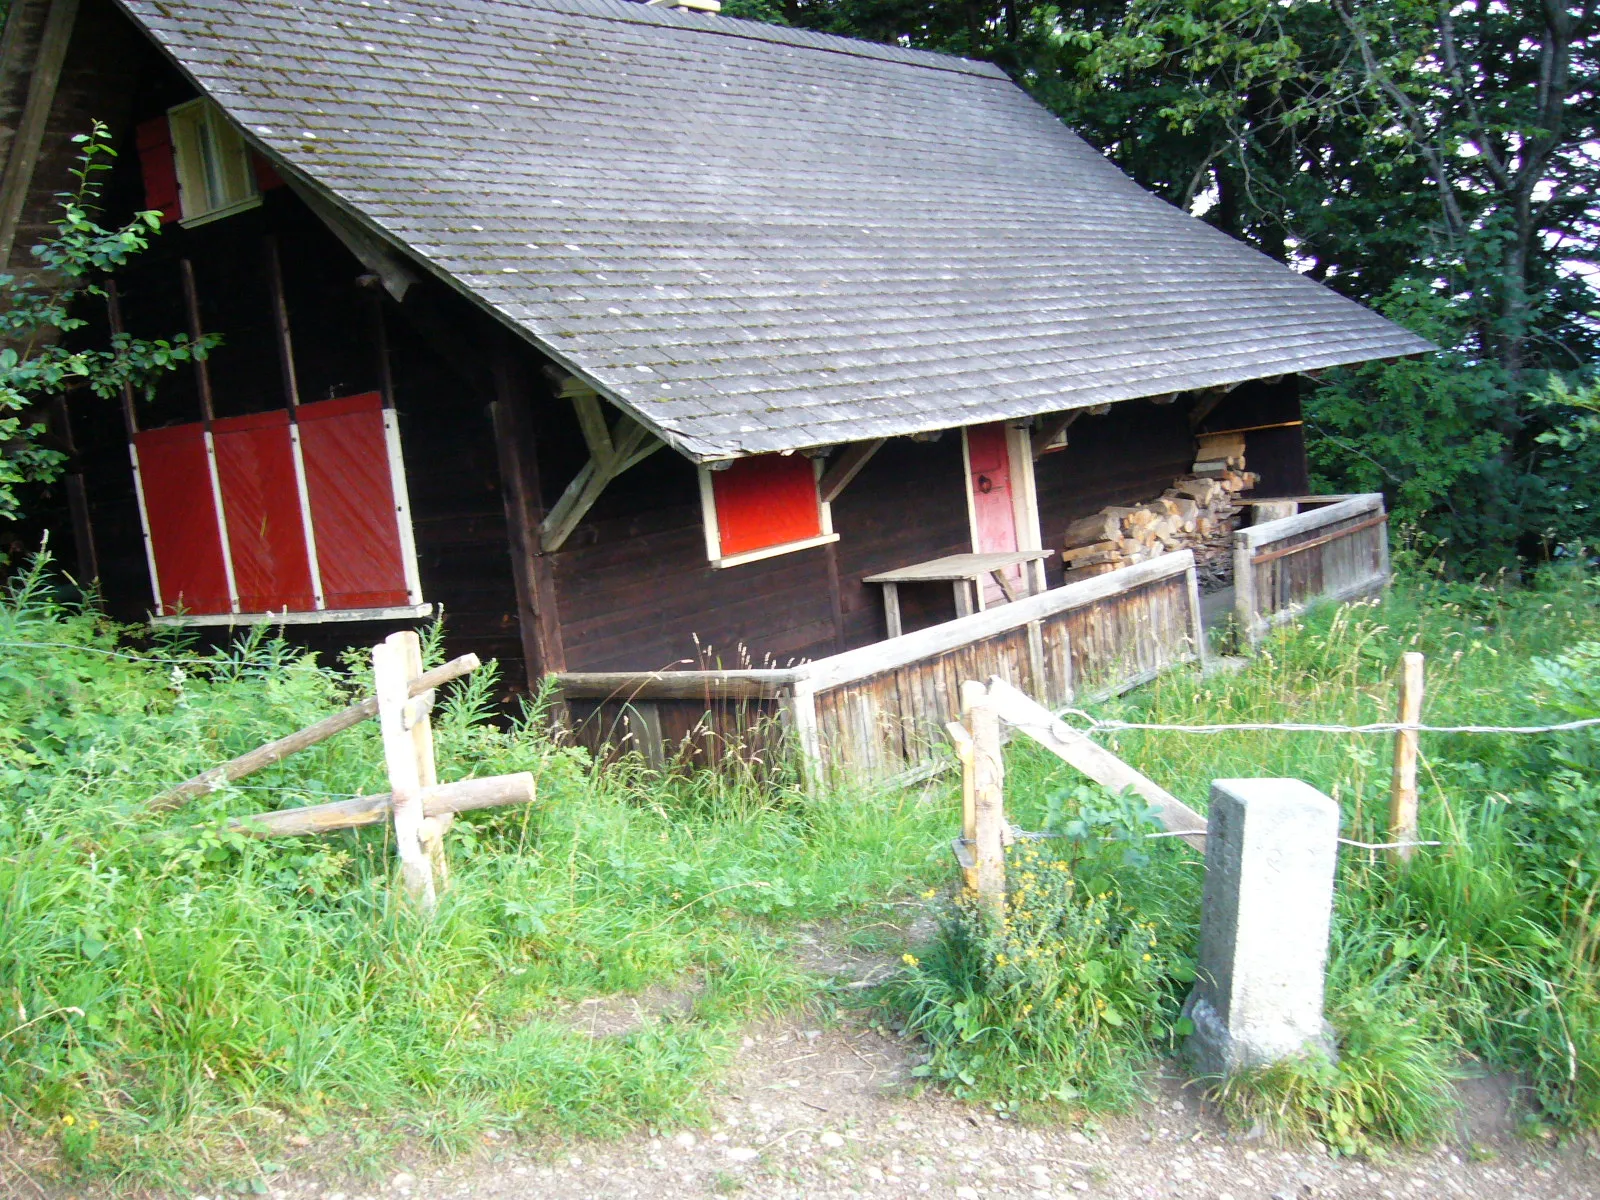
(809,1113)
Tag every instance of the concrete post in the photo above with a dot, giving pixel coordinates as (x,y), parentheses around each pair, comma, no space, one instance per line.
(1271,846)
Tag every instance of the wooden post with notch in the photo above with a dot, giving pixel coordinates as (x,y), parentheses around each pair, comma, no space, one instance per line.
(964,846)
(389,677)
(988,798)
(1403,788)
(420,721)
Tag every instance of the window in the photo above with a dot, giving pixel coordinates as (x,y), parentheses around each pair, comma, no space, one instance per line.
(757,507)
(263,516)
(215,174)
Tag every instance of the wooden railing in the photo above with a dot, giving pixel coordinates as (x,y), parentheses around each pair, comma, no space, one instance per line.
(878,713)
(1336,552)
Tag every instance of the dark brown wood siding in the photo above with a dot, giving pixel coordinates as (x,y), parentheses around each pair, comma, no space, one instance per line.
(636,592)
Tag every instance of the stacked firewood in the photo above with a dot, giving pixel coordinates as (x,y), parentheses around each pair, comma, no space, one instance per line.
(1198,512)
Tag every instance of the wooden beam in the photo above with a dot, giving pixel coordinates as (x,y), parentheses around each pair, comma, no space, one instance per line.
(439,800)
(395,273)
(631,443)
(17,179)
(1098,763)
(1051,428)
(675,685)
(846,467)
(304,739)
(538,616)
(592,420)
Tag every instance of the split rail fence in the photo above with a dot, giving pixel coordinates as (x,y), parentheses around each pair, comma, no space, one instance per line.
(877,714)
(421,808)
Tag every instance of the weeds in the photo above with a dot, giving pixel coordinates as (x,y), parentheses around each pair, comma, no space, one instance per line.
(175,1000)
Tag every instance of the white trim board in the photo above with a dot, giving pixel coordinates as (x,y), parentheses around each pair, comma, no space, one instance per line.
(398,613)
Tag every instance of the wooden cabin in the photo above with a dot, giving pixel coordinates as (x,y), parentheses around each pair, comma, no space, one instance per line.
(629,338)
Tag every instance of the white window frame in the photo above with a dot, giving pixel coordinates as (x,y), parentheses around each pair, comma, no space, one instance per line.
(708,520)
(215,175)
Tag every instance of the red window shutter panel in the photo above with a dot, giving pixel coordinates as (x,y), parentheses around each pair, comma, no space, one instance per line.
(160,167)
(267,176)
(353,513)
(261,504)
(175,479)
(765,501)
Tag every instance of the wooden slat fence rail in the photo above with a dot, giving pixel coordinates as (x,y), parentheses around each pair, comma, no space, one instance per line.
(1336,552)
(877,713)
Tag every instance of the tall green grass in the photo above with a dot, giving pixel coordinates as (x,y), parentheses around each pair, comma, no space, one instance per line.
(1484,946)
(176,1002)
(182,1005)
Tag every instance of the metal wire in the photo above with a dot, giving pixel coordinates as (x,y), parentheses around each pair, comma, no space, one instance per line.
(1102,725)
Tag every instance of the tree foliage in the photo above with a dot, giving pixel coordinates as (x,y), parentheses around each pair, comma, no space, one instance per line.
(1433,160)
(38,359)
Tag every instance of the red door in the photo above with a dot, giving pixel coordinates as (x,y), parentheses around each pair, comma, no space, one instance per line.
(994,515)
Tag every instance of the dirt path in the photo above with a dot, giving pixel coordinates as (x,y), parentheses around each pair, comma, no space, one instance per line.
(829,1113)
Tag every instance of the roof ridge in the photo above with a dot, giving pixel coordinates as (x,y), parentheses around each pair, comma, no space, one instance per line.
(638,13)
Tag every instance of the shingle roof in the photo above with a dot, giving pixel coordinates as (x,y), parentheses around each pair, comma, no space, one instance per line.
(756,238)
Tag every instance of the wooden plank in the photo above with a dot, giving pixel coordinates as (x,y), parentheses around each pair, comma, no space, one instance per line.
(1098,763)
(846,467)
(938,639)
(1310,522)
(958,566)
(440,800)
(304,739)
(1267,556)
(676,685)
(28,140)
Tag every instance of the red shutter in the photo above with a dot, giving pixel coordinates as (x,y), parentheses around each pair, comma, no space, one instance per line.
(160,168)
(176,482)
(261,503)
(765,501)
(353,511)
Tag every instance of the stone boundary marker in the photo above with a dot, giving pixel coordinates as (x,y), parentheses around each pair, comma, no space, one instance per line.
(1271,849)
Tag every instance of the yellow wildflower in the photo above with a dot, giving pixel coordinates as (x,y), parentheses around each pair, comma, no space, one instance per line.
(911,960)
(68,1119)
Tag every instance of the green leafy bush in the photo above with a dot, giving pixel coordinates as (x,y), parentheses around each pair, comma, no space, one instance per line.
(1065,999)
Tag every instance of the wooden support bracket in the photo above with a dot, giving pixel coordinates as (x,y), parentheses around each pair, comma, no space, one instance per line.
(612,450)
(1051,428)
(846,467)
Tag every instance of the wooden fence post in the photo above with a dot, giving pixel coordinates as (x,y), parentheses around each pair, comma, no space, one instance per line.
(389,678)
(988,793)
(431,834)
(964,846)
(1403,788)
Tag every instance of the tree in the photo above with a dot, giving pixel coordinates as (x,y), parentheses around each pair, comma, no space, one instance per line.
(35,316)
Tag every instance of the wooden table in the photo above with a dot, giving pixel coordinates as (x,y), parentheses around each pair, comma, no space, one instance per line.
(966,572)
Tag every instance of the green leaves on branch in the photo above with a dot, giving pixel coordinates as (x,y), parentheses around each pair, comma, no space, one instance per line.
(41,358)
